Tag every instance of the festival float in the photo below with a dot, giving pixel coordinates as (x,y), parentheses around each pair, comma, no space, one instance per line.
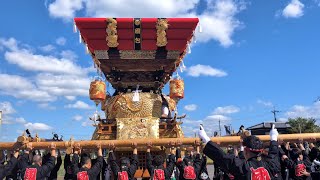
(138,57)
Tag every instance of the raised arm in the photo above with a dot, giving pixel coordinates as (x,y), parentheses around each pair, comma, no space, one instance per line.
(49,165)
(150,167)
(96,168)
(10,165)
(135,161)
(171,161)
(228,162)
(75,159)
(113,161)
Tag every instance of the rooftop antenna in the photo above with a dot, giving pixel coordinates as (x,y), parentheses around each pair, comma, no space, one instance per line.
(274,112)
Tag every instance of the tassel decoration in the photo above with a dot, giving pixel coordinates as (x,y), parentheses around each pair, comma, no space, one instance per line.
(80,38)
(200,28)
(74,27)
(136,96)
(87,49)
(189,49)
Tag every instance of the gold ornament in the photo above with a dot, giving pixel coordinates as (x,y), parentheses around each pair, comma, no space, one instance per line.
(112,35)
(162,26)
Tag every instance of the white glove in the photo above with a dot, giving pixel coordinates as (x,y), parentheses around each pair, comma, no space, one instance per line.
(273,133)
(241,148)
(203,135)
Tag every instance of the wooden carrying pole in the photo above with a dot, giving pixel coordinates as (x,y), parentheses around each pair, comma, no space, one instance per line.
(92,144)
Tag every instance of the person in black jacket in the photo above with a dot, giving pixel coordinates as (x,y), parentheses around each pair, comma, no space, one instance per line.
(54,172)
(37,169)
(191,160)
(86,171)
(253,167)
(68,165)
(299,165)
(127,169)
(156,164)
(6,169)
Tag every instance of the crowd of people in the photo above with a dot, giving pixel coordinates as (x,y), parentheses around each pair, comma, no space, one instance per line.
(251,160)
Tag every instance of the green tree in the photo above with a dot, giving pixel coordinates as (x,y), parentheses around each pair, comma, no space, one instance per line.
(305,125)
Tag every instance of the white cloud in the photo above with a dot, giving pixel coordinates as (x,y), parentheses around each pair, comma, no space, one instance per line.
(265,103)
(67,54)
(20,87)
(57,76)
(6,107)
(77,118)
(10,43)
(42,63)
(226,110)
(218,117)
(61,41)
(219,20)
(70,98)
(39,63)
(21,120)
(205,70)
(312,111)
(63,85)
(46,106)
(191,107)
(79,105)
(65,8)
(38,127)
(87,123)
(293,10)
(47,48)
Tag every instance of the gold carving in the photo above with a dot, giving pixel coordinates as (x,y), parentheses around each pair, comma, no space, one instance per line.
(137,54)
(112,35)
(101,54)
(137,22)
(137,31)
(173,54)
(137,128)
(137,40)
(122,106)
(162,26)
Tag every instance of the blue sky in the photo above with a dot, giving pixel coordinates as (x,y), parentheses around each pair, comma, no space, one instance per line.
(251,56)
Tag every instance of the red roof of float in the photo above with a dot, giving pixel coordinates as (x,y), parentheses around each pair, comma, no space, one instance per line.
(140,53)
(179,33)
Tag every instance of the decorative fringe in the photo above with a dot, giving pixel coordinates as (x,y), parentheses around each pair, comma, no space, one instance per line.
(87,49)
(189,48)
(80,38)
(194,37)
(200,28)
(74,27)
(136,96)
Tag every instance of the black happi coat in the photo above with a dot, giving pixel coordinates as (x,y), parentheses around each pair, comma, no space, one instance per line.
(92,173)
(42,171)
(116,169)
(6,169)
(237,167)
(182,164)
(167,171)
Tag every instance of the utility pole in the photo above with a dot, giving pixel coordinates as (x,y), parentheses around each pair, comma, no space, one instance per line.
(274,112)
(219,128)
